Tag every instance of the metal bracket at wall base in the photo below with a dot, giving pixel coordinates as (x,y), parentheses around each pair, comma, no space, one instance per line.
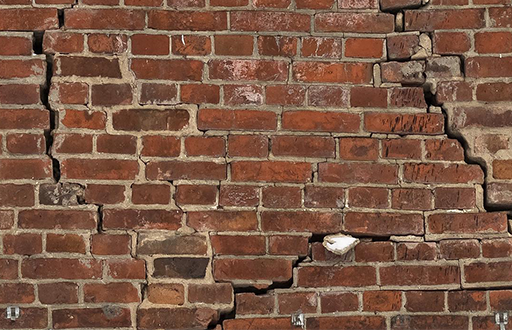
(12,313)
(501,318)
(298,319)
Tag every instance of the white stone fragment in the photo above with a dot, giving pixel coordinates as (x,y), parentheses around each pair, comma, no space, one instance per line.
(339,243)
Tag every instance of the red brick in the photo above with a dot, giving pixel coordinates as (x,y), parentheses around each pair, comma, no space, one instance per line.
(383,224)
(116,144)
(279,270)
(191,45)
(160,146)
(150,44)
(243,94)
(22,68)
(72,143)
(479,272)
(87,66)
(338,302)
(285,95)
(429,322)
(141,219)
(411,199)
(497,248)
(57,219)
(326,72)
(289,303)
(84,119)
(466,223)
(442,173)
(382,301)
(347,322)
(104,194)
(321,121)
(176,170)
(374,252)
(16,195)
(58,293)
(111,316)
(302,221)
(277,46)
(111,94)
(223,220)
(288,245)
(69,93)
(322,47)
(493,92)
(218,293)
(354,22)
(223,119)
(196,194)
(24,244)
(234,45)
(401,148)
(488,67)
(198,94)
(404,123)
(107,43)
(238,245)
(499,17)
(16,45)
(269,21)
(172,294)
(247,146)
(127,269)
(111,293)
(238,195)
(401,275)
(104,19)
(151,194)
(357,173)
(358,149)
(402,97)
(259,324)
(349,276)
(249,303)
(303,146)
(269,171)
(205,146)
(416,251)
(30,317)
(448,19)
(175,69)
(317,196)
(424,301)
(454,91)
(62,42)
(69,243)
(450,43)
(455,198)
(282,197)
(466,301)
(402,46)
(28,19)
(99,169)
(104,244)
(158,94)
(500,299)
(364,48)
(368,197)
(55,268)
(19,94)
(179,318)
(331,96)
(187,20)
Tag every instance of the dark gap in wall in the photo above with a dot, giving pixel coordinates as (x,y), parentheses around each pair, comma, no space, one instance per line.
(45,100)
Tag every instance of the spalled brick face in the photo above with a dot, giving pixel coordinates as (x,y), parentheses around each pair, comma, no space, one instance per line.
(155,155)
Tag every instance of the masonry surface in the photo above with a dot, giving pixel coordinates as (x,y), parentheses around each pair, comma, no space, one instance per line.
(175,164)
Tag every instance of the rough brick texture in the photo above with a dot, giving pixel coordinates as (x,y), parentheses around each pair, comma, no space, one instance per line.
(175,164)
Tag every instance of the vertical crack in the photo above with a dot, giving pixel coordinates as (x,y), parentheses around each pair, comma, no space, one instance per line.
(45,100)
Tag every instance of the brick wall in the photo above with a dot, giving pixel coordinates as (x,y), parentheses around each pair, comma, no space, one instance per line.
(176,164)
